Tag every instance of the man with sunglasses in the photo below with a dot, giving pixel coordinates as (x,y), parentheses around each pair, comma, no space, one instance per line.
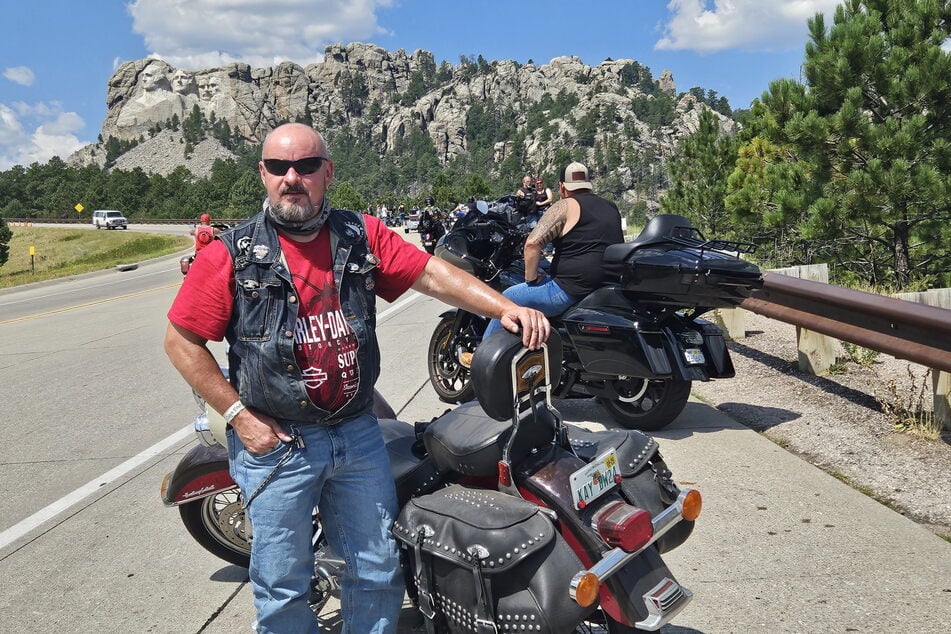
(293,291)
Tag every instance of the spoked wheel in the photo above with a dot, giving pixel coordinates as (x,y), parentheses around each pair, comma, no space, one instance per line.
(647,404)
(218,523)
(449,377)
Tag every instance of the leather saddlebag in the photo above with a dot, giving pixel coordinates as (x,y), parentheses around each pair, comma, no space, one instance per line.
(485,561)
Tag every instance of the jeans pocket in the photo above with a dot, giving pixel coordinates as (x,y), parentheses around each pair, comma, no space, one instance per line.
(270,456)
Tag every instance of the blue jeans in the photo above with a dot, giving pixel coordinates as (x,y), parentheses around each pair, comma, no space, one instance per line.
(547,298)
(343,470)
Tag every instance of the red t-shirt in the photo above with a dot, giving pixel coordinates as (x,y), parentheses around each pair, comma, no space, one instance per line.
(324,344)
(204,235)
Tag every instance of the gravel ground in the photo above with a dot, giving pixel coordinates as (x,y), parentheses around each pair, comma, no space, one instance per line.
(837,422)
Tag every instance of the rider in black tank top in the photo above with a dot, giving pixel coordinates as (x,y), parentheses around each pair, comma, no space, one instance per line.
(577,266)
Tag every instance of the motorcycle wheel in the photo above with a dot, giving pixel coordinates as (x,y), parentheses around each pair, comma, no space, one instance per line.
(649,407)
(450,379)
(217,522)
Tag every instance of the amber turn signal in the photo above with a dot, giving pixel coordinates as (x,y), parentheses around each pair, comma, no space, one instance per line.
(692,504)
(585,588)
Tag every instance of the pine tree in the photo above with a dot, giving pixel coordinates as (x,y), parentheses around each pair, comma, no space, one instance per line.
(5,236)
(868,142)
(699,175)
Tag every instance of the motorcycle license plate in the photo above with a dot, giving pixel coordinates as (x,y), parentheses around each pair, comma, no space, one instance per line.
(594,479)
(694,355)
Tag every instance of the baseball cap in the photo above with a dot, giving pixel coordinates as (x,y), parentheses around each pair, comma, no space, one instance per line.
(575,176)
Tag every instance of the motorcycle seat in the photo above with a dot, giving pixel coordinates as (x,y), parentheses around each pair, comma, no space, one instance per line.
(469,442)
(634,448)
(412,474)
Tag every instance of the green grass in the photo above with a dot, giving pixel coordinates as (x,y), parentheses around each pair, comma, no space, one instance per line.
(61,252)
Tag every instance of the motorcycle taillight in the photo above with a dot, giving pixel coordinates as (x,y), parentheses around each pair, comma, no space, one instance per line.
(623,526)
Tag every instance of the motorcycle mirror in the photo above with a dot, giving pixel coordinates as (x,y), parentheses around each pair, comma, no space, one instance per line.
(482,206)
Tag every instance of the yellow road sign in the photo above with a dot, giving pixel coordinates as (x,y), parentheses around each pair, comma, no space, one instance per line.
(79,208)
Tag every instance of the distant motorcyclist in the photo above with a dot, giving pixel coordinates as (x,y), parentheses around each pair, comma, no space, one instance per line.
(430,225)
(428,215)
(204,233)
(543,196)
(526,206)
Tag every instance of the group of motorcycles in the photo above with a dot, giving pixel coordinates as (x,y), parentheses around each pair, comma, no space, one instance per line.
(636,344)
(512,519)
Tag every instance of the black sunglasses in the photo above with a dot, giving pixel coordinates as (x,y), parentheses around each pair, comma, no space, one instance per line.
(309,165)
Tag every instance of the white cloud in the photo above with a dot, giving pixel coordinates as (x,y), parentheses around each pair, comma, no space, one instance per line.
(205,33)
(11,131)
(22,75)
(739,24)
(36,132)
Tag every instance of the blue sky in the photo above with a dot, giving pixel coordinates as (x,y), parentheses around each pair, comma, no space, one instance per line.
(56,56)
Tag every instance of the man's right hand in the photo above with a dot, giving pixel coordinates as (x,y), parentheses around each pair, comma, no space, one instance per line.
(259,433)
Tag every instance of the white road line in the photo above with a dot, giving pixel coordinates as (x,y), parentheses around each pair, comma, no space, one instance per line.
(410,297)
(23,527)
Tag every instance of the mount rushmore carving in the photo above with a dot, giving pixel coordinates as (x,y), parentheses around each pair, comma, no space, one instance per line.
(340,90)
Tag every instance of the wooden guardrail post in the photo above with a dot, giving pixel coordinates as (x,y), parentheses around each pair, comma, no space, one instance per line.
(941,381)
(732,321)
(817,352)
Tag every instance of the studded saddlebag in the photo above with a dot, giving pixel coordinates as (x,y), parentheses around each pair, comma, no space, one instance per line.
(485,561)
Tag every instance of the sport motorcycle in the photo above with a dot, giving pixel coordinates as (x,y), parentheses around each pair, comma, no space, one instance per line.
(509,516)
(635,344)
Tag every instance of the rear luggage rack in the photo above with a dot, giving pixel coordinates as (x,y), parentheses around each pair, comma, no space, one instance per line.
(691,237)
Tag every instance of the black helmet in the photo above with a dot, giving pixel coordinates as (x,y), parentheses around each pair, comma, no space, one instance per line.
(429,200)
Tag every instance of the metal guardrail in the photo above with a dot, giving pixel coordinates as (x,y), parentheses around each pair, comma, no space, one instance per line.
(916,332)
(907,330)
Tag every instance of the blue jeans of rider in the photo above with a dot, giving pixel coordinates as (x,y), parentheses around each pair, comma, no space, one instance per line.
(547,297)
(345,472)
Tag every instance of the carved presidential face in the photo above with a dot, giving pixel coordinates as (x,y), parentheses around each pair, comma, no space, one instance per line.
(182,81)
(208,87)
(152,78)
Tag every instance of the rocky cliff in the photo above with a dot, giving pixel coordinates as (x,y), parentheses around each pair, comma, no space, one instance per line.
(393,94)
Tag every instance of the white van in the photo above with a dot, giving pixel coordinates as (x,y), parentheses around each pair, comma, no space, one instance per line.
(109,219)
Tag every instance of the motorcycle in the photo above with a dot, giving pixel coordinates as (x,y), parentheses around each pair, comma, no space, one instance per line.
(509,516)
(185,262)
(635,345)
(430,233)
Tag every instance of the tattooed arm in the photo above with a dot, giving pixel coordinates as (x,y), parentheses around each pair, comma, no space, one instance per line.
(556,222)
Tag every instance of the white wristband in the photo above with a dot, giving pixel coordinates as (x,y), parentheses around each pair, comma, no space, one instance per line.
(236,408)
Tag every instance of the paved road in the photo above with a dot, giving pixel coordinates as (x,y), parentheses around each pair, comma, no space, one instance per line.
(93,416)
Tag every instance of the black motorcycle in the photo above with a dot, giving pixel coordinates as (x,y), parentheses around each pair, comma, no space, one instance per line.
(511,520)
(637,344)
(431,229)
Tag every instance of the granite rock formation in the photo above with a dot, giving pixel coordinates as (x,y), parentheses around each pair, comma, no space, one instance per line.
(364,83)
